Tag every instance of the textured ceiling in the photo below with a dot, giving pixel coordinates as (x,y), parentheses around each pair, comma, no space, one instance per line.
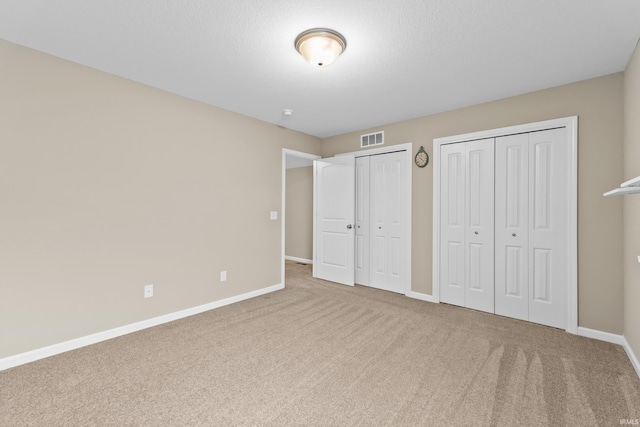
(404,58)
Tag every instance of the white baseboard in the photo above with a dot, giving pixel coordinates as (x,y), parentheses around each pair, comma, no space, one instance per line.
(632,356)
(420,296)
(599,335)
(302,260)
(614,339)
(52,350)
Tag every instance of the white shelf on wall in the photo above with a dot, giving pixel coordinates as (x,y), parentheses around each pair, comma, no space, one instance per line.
(628,187)
(622,191)
(635,182)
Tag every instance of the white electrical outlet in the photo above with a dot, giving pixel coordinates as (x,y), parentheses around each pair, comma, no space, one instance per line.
(273,215)
(148,291)
(223,276)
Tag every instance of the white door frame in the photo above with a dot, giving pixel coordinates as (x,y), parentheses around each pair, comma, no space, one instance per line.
(571,124)
(408,160)
(287,152)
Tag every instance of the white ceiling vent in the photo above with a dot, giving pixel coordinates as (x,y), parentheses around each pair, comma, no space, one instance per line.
(372,139)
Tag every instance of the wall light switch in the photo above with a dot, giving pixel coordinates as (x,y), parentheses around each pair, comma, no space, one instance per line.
(638,259)
(223,276)
(274,215)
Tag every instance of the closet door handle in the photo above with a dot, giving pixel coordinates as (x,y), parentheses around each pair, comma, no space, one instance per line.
(475,232)
(513,234)
(349,226)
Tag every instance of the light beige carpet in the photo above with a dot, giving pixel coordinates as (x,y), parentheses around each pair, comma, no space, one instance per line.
(323,354)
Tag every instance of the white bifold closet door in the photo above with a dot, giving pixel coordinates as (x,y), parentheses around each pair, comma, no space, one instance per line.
(381,229)
(532,261)
(467,224)
(386,222)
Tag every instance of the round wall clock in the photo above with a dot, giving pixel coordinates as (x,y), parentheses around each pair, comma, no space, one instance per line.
(422,158)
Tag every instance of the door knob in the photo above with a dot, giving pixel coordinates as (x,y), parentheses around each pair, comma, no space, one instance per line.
(349,226)
(513,234)
(475,232)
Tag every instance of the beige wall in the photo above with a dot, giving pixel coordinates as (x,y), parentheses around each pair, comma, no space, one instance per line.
(107,185)
(299,213)
(632,203)
(598,103)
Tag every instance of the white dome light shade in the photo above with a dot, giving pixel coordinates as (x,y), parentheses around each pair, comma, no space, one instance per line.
(320,46)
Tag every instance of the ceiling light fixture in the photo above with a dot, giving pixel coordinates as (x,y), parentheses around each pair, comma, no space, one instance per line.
(320,46)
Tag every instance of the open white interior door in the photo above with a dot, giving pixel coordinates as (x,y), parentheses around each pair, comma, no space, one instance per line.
(333,220)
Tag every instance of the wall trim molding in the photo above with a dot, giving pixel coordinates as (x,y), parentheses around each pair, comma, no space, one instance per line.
(296,259)
(420,296)
(52,350)
(601,336)
(632,355)
(614,339)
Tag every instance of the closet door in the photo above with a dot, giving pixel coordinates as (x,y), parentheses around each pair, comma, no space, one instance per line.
(362,221)
(548,233)
(532,197)
(452,222)
(467,224)
(387,177)
(479,239)
(512,226)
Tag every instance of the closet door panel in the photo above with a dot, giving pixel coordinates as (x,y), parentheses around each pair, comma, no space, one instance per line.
(511,226)
(394,223)
(387,259)
(548,243)
(452,223)
(362,221)
(479,217)
(379,208)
